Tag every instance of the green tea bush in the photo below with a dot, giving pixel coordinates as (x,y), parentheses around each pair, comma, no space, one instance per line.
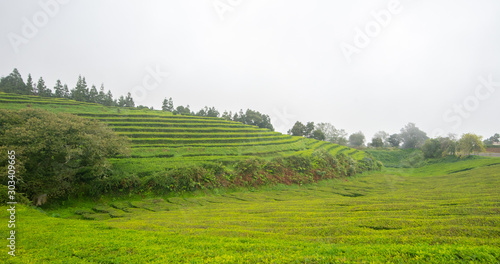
(415,159)
(4,196)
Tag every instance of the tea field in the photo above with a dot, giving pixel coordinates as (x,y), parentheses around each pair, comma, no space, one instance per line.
(441,213)
(161,140)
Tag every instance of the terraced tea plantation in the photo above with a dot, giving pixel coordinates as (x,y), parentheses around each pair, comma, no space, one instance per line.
(161,140)
(441,213)
(170,141)
(444,212)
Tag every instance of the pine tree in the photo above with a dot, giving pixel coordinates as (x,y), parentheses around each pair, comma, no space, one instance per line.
(129,101)
(30,86)
(121,101)
(170,105)
(42,89)
(85,90)
(13,83)
(80,92)
(66,93)
(58,89)
(164,106)
(93,94)
(109,99)
(101,97)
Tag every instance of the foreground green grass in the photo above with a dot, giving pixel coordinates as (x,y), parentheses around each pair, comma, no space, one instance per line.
(441,213)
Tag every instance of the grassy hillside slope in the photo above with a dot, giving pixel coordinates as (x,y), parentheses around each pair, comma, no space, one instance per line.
(424,215)
(161,141)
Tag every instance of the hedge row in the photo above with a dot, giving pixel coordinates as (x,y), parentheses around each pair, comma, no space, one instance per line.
(201,140)
(8,101)
(251,172)
(191,130)
(165,115)
(242,144)
(200,135)
(145,124)
(162,120)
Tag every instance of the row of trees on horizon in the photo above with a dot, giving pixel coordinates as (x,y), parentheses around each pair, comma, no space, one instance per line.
(14,83)
(409,137)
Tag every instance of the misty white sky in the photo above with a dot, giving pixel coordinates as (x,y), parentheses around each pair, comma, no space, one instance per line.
(285,58)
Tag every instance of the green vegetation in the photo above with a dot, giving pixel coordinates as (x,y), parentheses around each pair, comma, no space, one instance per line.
(447,212)
(200,189)
(398,158)
(186,153)
(56,152)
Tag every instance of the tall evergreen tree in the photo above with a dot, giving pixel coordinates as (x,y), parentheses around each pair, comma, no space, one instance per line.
(80,92)
(164,105)
(59,89)
(42,88)
(129,101)
(85,90)
(168,105)
(93,94)
(121,101)
(108,101)
(13,83)
(66,91)
(30,86)
(101,97)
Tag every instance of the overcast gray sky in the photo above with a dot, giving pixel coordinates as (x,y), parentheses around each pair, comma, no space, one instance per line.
(360,65)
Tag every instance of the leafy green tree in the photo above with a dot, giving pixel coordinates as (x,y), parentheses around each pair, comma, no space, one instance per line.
(448,145)
(318,135)
(357,139)
(470,144)
(298,129)
(101,96)
(254,118)
(81,91)
(493,139)
(227,115)
(42,89)
(121,101)
(384,136)
(165,106)
(212,112)
(168,105)
(108,101)
(57,152)
(333,135)
(342,140)
(13,83)
(308,132)
(181,110)
(59,89)
(377,142)
(239,117)
(394,140)
(412,136)
(129,101)
(144,107)
(432,149)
